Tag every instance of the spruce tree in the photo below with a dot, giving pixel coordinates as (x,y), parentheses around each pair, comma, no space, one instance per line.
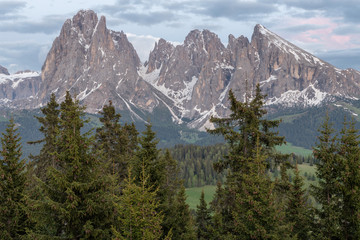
(50,129)
(203,219)
(184,227)
(297,211)
(148,156)
(243,130)
(77,203)
(243,127)
(113,142)
(328,191)
(167,192)
(137,206)
(256,214)
(349,151)
(13,216)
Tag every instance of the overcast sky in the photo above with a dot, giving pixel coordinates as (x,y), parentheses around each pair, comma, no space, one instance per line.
(330,29)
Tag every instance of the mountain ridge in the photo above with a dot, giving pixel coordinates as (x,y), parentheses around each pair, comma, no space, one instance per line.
(191,80)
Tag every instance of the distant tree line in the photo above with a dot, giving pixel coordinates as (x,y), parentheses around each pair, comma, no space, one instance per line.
(116,183)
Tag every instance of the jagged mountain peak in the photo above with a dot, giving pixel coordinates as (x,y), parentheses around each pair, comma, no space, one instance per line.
(159,55)
(263,39)
(200,40)
(4,70)
(94,63)
(191,80)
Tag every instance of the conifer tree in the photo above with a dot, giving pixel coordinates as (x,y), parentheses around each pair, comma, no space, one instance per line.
(221,210)
(350,178)
(113,142)
(297,211)
(203,219)
(244,130)
(137,206)
(256,214)
(168,190)
(243,127)
(77,203)
(328,191)
(50,129)
(13,217)
(148,156)
(184,227)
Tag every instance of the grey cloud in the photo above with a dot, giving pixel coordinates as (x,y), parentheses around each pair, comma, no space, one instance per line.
(149,18)
(21,56)
(235,10)
(302,28)
(348,10)
(140,12)
(347,29)
(9,7)
(211,27)
(49,24)
(343,59)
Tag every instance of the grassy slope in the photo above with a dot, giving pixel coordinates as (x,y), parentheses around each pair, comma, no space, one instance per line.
(193,194)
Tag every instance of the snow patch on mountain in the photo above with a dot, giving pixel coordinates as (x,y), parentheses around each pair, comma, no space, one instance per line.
(17,78)
(271,78)
(288,47)
(310,96)
(178,97)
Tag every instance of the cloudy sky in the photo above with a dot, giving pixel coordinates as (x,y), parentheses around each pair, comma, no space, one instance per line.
(330,29)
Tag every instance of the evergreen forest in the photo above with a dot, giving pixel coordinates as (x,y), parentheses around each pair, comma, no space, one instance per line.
(112,182)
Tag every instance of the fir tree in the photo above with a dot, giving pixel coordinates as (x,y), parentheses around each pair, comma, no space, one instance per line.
(148,156)
(328,191)
(50,129)
(256,214)
(297,211)
(77,202)
(112,142)
(203,219)
(243,127)
(13,217)
(243,130)
(184,227)
(350,177)
(137,207)
(167,192)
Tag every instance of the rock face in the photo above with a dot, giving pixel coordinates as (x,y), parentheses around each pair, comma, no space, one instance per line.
(198,74)
(192,79)
(19,88)
(4,70)
(95,64)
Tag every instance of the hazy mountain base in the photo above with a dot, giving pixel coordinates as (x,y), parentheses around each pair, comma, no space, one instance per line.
(299,126)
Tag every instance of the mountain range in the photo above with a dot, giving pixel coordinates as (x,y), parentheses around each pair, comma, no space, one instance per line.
(191,80)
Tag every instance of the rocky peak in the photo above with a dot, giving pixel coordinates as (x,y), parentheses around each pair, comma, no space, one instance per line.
(159,55)
(4,70)
(94,63)
(203,42)
(84,22)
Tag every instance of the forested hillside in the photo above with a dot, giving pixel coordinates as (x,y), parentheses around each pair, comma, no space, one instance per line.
(113,182)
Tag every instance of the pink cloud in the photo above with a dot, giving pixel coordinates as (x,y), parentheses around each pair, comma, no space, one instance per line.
(323,34)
